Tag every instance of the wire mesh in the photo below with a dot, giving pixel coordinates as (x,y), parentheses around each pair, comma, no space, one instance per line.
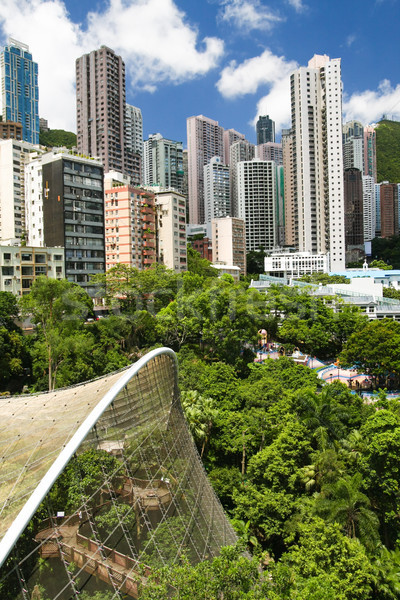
(134,497)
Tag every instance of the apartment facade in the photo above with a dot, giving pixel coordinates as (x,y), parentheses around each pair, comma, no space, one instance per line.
(229,242)
(217,201)
(163,162)
(257,203)
(205,139)
(171,229)
(21,265)
(316,100)
(239,151)
(19,89)
(270,151)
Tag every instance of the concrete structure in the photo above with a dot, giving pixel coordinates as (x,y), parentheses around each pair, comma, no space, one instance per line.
(353,146)
(130,224)
(270,151)
(134,129)
(14,155)
(257,203)
(163,162)
(65,207)
(229,242)
(205,139)
(291,231)
(20,265)
(19,90)
(171,229)
(230,137)
(316,97)
(10,130)
(131,424)
(370,151)
(389,209)
(101,112)
(369,216)
(239,151)
(225,269)
(353,215)
(265,129)
(280,205)
(295,264)
(217,200)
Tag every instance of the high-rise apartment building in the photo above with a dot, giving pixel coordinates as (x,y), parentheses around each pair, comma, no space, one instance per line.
(265,128)
(65,208)
(130,223)
(163,162)
(353,145)
(389,205)
(370,152)
(353,214)
(291,232)
(205,139)
(270,151)
(230,137)
(257,203)
(369,213)
(134,129)
(316,100)
(239,151)
(19,89)
(229,242)
(217,201)
(14,155)
(171,229)
(100,109)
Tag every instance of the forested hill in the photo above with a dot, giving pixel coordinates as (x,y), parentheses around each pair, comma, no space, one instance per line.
(388,151)
(57,138)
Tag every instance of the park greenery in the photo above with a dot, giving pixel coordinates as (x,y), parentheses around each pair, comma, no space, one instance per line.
(57,138)
(308,472)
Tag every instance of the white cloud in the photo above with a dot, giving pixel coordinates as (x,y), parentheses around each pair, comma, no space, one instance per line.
(248,14)
(152,36)
(350,40)
(370,105)
(297,5)
(266,69)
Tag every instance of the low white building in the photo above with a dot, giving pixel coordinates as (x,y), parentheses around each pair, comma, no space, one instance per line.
(227,269)
(295,264)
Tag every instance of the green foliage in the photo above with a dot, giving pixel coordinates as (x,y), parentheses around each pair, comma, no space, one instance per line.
(324,278)
(255,261)
(387,250)
(57,137)
(380,264)
(197,265)
(388,151)
(9,310)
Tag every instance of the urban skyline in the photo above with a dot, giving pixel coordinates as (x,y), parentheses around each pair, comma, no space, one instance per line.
(202,62)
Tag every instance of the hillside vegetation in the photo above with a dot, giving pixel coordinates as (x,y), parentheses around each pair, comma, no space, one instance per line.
(57,138)
(388,151)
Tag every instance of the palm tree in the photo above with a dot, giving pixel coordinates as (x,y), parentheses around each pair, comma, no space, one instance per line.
(320,415)
(343,502)
(200,415)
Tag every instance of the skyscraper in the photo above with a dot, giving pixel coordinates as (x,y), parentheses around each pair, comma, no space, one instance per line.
(217,202)
(369,210)
(257,203)
(163,162)
(389,204)
(316,100)
(230,137)
(239,151)
(353,145)
(134,129)
(370,151)
(100,107)
(353,214)
(265,128)
(19,90)
(205,139)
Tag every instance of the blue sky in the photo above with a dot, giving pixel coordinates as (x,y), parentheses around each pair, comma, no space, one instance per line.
(227,59)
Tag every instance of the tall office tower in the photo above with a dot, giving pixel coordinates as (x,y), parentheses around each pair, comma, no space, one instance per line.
(19,90)
(217,201)
(389,204)
(230,137)
(65,207)
(369,208)
(239,151)
(370,151)
(14,155)
(171,229)
(316,99)
(163,162)
(100,108)
(291,233)
(265,128)
(257,203)
(229,242)
(205,139)
(353,215)
(134,129)
(270,151)
(130,223)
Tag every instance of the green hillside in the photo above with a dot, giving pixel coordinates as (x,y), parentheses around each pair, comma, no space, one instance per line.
(388,151)
(57,138)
